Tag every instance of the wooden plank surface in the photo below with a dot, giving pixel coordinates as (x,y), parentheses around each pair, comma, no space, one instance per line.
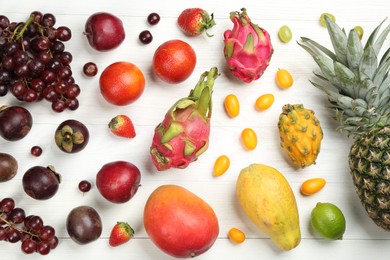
(362,239)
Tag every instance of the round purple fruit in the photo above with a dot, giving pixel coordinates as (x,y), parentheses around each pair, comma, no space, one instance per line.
(40,182)
(71,136)
(15,122)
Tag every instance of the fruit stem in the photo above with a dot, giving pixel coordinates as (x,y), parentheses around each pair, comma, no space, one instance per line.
(20,33)
(10,225)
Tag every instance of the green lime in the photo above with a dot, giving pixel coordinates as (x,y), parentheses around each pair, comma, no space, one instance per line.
(328,221)
(322,18)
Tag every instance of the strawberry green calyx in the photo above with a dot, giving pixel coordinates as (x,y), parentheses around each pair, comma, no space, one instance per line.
(248,47)
(183,135)
(207,23)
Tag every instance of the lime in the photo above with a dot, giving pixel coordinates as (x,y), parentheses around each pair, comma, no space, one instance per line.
(328,221)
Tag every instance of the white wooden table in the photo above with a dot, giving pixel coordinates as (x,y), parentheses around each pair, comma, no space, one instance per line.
(362,239)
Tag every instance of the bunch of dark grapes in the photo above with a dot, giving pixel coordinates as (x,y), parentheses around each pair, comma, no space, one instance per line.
(34,63)
(30,230)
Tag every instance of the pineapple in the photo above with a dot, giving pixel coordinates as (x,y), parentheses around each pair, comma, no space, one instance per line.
(300,134)
(357,84)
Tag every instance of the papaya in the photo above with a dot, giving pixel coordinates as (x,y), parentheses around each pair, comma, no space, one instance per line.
(268,200)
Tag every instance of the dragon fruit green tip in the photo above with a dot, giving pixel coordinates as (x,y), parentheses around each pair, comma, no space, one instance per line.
(248,49)
(184,133)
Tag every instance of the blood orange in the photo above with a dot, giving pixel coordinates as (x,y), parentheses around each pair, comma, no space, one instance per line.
(122,83)
(174,61)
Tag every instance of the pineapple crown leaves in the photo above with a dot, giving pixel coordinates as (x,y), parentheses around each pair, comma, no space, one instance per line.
(356,81)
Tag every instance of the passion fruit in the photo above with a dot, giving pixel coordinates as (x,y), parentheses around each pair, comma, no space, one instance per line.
(15,122)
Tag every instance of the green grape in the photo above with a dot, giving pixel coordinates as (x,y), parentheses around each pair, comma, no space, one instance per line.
(322,18)
(359,30)
(285,34)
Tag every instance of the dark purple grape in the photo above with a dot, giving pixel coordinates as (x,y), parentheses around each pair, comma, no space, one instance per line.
(153,18)
(48,76)
(90,69)
(66,58)
(44,56)
(3,233)
(17,215)
(48,20)
(43,247)
(13,235)
(4,218)
(50,94)
(5,76)
(3,90)
(58,105)
(145,37)
(8,63)
(72,104)
(10,48)
(22,70)
(40,43)
(36,151)
(36,67)
(37,84)
(31,30)
(29,246)
(35,223)
(64,73)
(18,89)
(57,47)
(4,21)
(41,183)
(7,205)
(37,16)
(63,33)
(72,91)
(85,186)
(20,57)
(61,87)
(30,96)
(54,65)
(46,233)
(53,242)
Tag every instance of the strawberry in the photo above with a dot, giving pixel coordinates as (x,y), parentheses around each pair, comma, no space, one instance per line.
(194,21)
(122,125)
(120,234)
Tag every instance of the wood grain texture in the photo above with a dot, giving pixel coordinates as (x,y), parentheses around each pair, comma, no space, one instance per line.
(362,239)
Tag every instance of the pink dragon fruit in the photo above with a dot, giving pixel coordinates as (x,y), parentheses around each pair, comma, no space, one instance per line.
(248,48)
(184,133)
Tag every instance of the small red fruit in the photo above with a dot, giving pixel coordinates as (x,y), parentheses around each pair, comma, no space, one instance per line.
(195,21)
(120,234)
(118,181)
(122,126)
(174,61)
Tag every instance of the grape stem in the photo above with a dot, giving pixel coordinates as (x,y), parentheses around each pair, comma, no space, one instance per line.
(10,225)
(21,32)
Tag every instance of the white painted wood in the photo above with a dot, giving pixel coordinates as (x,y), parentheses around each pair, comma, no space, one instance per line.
(362,239)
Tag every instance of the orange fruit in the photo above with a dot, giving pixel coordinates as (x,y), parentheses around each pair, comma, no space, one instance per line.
(121,83)
(174,61)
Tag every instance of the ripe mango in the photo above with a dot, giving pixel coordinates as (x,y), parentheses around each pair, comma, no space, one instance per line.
(268,200)
(179,222)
